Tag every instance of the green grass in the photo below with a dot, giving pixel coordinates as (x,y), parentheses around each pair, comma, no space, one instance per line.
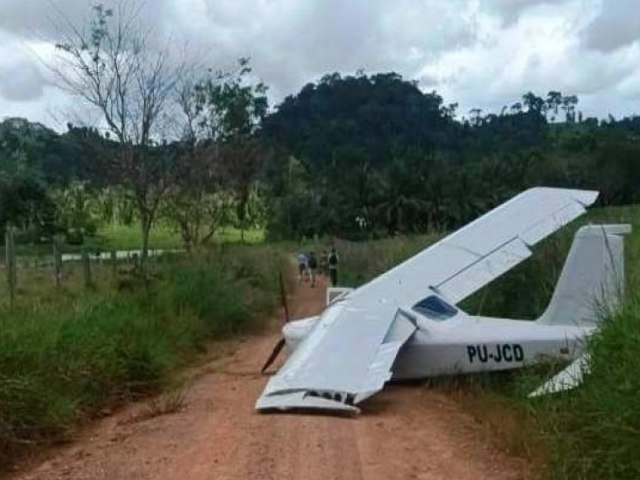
(129,237)
(66,354)
(361,261)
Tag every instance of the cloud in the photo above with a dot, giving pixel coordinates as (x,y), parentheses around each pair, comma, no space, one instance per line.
(510,11)
(541,51)
(617,25)
(38,19)
(293,42)
(21,81)
(21,78)
(483,53)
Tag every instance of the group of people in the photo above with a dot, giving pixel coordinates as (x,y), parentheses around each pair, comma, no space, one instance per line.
(309,266)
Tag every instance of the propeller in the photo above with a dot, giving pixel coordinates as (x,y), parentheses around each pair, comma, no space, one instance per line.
(281,343)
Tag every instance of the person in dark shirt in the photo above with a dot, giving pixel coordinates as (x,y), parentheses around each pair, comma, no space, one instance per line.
(303,264)
(333,266)
(313,267)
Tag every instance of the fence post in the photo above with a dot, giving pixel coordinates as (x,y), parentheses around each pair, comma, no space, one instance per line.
(86,268)
(114,261)
(10,263)
(57,259)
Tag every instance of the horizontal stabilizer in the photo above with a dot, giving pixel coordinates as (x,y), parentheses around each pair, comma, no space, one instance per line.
(567,379)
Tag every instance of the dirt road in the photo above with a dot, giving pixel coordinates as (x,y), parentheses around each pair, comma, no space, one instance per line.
(405,432)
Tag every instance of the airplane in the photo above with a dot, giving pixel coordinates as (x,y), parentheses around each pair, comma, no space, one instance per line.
(406,323)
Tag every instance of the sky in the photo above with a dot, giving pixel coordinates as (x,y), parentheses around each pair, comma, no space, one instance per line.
(478,53)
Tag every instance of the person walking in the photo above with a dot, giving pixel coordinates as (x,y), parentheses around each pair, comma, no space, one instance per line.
(324,264)
(333,266)
(313,267)
(302,266)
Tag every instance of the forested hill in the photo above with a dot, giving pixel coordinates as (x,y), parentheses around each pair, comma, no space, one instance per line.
(356,156)
(375,155)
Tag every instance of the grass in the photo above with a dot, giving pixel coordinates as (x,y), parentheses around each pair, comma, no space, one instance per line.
(129,237)
(65,355)
(170,402)
(591,432)
(361,261)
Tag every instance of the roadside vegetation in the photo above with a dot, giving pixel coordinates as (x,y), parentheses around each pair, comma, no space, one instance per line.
(590,432)
(67,354)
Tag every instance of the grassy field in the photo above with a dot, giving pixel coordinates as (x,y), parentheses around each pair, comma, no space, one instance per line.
(67,353)
(592,432)
(129,237)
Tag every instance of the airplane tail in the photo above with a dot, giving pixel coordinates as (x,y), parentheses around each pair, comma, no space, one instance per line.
(592,280)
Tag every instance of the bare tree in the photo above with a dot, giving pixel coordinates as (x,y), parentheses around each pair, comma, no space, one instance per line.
(111,64)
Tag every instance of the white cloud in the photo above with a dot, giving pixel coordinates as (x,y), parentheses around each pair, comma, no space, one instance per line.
(484,53)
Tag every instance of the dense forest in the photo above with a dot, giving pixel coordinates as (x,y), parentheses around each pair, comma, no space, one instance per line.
(355,156)
(373,155)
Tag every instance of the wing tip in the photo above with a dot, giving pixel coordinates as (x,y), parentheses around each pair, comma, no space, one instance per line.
(585,197)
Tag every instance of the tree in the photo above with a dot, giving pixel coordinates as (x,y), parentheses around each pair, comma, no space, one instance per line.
(569,106)
(24,204)
(197,200)
(75,211)
(533,103)
(113,66)
(222,114)
(553,102)
(243,160)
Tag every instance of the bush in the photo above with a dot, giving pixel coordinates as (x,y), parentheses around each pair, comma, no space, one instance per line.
(62,362)
(213,296)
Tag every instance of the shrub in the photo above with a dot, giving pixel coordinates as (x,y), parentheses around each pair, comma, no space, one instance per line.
(63,361)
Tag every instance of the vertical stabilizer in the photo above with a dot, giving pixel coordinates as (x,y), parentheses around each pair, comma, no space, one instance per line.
(592,280)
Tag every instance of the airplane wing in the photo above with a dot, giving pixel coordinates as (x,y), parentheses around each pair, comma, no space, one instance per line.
(349,354)
(465,261)
(567,379)
(347,358)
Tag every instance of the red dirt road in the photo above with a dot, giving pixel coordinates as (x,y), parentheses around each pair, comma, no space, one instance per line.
(403,433)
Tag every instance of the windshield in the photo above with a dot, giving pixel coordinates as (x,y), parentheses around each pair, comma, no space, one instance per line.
(435,308)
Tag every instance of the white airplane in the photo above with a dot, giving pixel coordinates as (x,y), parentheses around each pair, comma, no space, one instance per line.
(405,324)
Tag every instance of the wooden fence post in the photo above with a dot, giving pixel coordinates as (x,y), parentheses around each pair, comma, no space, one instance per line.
(10,263)
(86,268)
(57,259)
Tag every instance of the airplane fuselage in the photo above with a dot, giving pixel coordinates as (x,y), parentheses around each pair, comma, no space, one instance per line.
(470,344)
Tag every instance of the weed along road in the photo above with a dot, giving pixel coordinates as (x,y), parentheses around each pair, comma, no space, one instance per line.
(405,432)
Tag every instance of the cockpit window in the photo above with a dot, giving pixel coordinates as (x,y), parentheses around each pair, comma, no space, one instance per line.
(435,308)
